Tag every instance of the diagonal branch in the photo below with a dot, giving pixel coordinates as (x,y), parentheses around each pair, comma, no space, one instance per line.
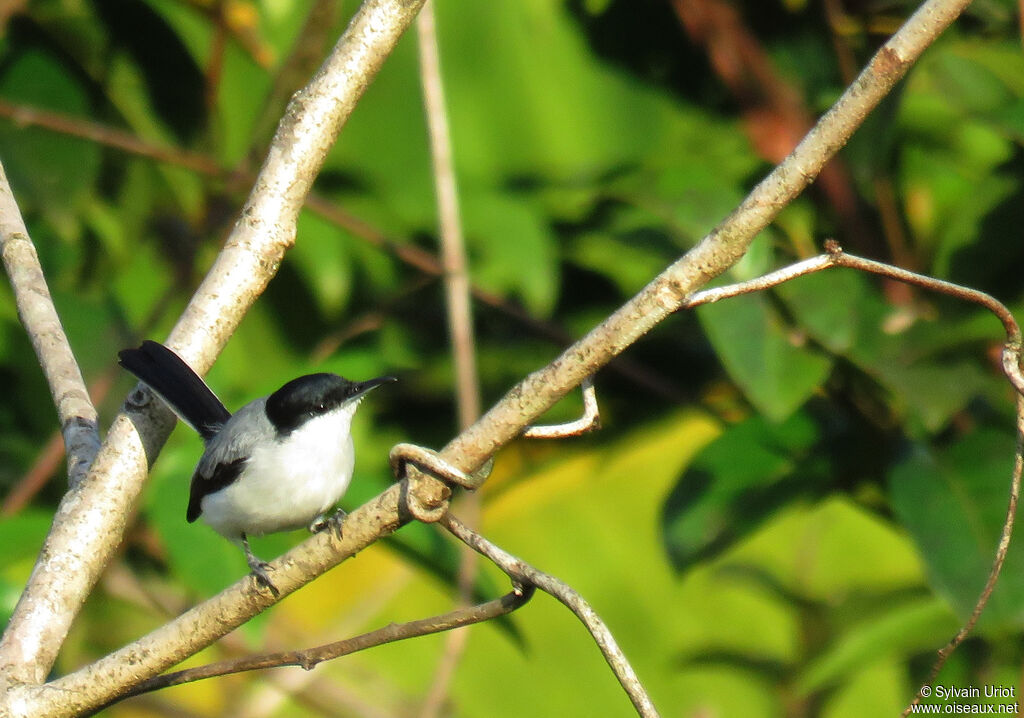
(75,412)
(716,252)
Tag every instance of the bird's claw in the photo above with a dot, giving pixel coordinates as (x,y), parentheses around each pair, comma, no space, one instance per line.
(259,571)
(334,522)
(259,568)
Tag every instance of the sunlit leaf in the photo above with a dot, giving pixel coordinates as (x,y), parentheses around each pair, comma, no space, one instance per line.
(512,250)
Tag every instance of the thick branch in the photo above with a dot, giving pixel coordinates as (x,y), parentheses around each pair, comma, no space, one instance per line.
(91,519)
(75,411)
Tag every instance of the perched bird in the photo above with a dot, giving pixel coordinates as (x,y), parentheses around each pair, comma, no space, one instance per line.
(279,463)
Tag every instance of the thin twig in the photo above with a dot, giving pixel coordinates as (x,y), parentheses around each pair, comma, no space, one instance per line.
(997,565)
(108,136)
(453,248)
(310,657)
(835,257)
(526,575)
(75,411)
(590,421)
(1012,347)
(759,284)
(460,320)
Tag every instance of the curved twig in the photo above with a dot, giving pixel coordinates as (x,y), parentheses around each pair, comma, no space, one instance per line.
(590,421)
(1011,355)
(424,504)
(525,574)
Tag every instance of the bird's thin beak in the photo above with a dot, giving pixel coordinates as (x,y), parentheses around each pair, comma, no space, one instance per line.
(365,386)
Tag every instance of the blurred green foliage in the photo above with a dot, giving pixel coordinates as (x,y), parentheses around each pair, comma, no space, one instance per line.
(796,496)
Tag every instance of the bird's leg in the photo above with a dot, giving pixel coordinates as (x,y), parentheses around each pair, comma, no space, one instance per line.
(334,522)
(258,567)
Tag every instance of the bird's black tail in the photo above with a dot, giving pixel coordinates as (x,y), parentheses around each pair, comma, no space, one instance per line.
(182,389)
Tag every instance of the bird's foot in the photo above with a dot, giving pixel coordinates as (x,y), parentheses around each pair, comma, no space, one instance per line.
(334,522)
(259,572)
(259,568)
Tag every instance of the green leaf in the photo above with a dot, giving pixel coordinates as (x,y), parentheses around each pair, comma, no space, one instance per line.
(953,501)
(49,172)
(734,485)
(829,305)
(22,536)
(629,264)
(906,628)
(918,385)
(767,359)
(847,314)
(877,689)
(512,250)
(321,255)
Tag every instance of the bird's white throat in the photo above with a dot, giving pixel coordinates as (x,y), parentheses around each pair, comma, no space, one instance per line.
(289,482)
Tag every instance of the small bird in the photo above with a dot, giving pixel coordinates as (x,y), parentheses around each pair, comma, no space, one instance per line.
(279,463)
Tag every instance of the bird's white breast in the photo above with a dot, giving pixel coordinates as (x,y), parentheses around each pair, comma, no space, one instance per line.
(288,482)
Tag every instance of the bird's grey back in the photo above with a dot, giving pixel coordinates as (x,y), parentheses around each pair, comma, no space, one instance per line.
(236,439)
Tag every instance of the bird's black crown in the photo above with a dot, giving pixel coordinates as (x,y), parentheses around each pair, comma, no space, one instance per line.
(313,395)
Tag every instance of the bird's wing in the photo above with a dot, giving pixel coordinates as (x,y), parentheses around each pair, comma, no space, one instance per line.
(227,453)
